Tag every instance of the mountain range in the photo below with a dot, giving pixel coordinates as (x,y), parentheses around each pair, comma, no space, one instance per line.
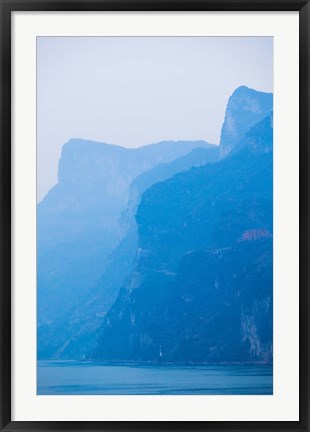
(78,227)
(162,253)
(201,286)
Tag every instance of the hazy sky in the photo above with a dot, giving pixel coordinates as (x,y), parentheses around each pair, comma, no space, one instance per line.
(138,90)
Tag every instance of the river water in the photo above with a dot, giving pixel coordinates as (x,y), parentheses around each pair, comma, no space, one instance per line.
(86,378)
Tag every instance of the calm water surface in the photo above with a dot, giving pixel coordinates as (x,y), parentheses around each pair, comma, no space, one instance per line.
(85,378)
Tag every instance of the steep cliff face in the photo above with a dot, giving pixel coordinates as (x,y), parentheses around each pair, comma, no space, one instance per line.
(197,291)
(202,313)
(93,184)
(81,320)
(197,157)
(77,228)
(91,307)
(245,108)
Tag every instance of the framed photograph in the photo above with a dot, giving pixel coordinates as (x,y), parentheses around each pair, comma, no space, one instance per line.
(154,219)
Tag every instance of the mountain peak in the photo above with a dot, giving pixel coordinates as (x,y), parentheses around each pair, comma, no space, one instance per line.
(245,108)
(244,90)
(88,144)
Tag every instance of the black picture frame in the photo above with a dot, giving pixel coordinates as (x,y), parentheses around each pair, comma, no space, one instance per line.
(9,6)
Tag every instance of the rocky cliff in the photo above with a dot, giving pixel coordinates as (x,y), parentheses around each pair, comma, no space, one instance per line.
(197,292)
(245,108)
(78,228)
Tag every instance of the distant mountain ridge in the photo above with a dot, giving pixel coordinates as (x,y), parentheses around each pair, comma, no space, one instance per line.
(78,228)
(87,313)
